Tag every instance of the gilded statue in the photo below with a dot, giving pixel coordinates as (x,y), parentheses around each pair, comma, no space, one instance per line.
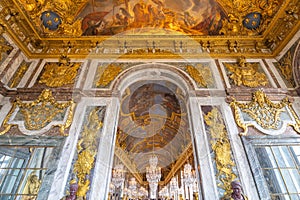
(59,74)
(246,74)
(73,191)
(32,187)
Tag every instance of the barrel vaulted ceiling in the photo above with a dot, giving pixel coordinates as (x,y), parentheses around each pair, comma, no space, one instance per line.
(81,28)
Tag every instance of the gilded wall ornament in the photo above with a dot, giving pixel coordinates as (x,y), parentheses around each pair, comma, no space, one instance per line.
(220,144)
(37,115)
(201,74)
(87,149)
(246,74)
(105,75)
(59,74)
(4,48)
(268,117)
(19,74)
(286,68)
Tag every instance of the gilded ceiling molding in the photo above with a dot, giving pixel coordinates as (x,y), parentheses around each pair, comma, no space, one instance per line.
(42,28)
(5,48)
(221,147)
(268,117)
(40,115)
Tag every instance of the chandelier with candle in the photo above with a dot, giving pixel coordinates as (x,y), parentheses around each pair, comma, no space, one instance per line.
(153,175)
(118,176)
(189,176)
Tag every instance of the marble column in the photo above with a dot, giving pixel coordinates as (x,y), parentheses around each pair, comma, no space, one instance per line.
(201,153)
(104,160)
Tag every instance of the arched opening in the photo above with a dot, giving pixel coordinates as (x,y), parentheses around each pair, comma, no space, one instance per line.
(153,156)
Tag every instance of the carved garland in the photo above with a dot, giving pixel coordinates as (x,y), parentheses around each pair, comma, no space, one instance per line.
(39,113)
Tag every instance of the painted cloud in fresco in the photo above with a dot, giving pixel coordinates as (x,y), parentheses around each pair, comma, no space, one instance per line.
(110,17)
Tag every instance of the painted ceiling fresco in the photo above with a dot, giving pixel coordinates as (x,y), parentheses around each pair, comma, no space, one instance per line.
(190,17)
(48,28)
(110,17)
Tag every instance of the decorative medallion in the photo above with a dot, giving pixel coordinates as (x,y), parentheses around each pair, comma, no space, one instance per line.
(51,20)
(59,74)
(252,20)
(40,115)
(246,74)
(268,117)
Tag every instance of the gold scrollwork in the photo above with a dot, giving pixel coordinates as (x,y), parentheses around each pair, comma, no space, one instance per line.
(221,146)
(87,149)
(40,113)
(264,112)
(246,74)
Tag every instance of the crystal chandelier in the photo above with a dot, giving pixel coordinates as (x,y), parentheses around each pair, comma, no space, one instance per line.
(132,188)
(189,176)
(153,175)
(118,176)
(174,187)
(143,193)
(164,193)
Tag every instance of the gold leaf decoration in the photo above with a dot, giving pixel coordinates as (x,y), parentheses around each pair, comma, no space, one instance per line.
(59,74)
(86,150)
(202,75)
(39,113)
(107,74)
(246,74)
(264,112)
(221,146)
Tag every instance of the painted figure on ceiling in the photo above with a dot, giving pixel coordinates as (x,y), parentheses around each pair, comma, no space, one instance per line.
(185,16)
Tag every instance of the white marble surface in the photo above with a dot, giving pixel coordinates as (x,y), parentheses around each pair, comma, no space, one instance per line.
(10,56)
(105,155)
(276,73)
(239,153)
(203,154)
(65,161)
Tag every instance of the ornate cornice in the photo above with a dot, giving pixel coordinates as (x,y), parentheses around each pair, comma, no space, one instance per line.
(36,44)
